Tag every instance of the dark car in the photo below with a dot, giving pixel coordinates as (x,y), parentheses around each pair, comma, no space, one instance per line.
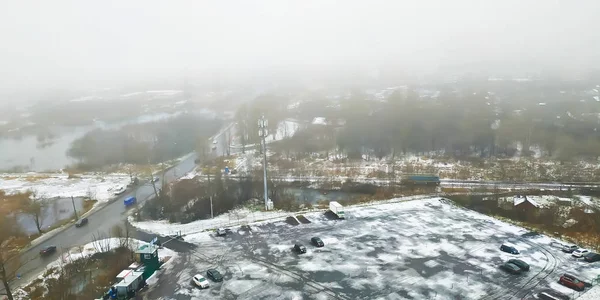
(299,248)
(47,250)
(81,222)
(519,263)
(572,282)
(550,294)
(569,248)
(509,249)
(592,257)
(317,242)
(214,275)
(511,268)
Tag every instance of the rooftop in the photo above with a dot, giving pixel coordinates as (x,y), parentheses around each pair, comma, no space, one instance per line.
(146,248)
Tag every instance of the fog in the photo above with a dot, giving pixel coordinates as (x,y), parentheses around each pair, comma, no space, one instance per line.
(65,43)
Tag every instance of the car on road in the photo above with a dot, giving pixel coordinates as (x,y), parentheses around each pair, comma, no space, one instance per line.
(519,263)
(511,268)
(569,248)
(592,257)
(550,294)
(81,222)
(214,275)
(200,281)
(509,249)
(221,232)
(214,142)
(154,179)
(317,242)
(299,248)
(580,252)
(47,250)
(572,282)
(120,190)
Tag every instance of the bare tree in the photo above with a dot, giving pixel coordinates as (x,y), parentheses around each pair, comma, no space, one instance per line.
(9,262)
(34,206)
(100,242)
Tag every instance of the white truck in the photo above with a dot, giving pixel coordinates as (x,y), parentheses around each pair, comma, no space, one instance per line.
(337,209)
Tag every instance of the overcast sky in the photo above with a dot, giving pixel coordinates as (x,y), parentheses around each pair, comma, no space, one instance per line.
(45,43)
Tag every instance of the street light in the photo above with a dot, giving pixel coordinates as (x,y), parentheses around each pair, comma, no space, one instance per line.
(262,133)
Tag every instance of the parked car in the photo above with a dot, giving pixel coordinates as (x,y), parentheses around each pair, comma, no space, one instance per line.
(214,142)
(569,248)
(200,281)
(214,275)
(572,282)
(580,252)
(317,242)
(120,190)
(511,268)
(509,249)
(550,294)
(81,222)
(519,263)
(47,250)
(299,248)
(221,232)
(592,257)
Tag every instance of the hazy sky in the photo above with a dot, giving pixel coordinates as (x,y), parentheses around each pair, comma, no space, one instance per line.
(45,43)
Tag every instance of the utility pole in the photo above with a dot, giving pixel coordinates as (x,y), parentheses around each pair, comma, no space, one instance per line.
(74,209)
(211,208)
(210,195)
(262,133)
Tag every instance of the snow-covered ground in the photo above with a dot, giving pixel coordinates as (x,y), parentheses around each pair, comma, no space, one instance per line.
(97,187)
(426,249)
(233,218)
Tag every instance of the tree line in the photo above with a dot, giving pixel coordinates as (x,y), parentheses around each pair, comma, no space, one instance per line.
(454,123)
(142,143)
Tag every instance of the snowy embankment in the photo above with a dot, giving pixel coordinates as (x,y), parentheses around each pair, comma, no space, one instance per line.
(97,187)
(240,217)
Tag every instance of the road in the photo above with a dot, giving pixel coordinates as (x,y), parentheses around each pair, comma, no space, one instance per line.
(100,221)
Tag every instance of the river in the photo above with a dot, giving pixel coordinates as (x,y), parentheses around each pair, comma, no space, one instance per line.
(40,154)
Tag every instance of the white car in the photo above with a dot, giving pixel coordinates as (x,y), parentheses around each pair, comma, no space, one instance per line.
(221,232)
(580,252)
(120,190)
(215,142)
(200,281)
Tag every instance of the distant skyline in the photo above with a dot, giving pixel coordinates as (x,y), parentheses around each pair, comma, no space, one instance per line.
(64,43)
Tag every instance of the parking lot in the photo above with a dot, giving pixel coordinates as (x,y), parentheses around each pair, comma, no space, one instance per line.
(426,249)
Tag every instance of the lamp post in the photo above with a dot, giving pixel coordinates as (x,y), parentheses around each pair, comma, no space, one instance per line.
(262,133)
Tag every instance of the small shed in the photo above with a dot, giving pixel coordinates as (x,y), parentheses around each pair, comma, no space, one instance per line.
(130,284)
(147,255)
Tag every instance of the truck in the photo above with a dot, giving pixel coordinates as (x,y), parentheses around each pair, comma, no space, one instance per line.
(129,201)
(337,209)
(420,179)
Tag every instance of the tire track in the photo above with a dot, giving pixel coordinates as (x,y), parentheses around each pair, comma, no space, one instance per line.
(309,282)
(527,288)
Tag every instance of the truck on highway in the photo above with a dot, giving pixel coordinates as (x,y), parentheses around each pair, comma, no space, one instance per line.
(337,209)
(420,179)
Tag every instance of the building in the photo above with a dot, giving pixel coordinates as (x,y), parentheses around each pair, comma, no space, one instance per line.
(147,255)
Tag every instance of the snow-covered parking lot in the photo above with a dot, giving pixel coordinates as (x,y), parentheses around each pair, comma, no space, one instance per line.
(425,249)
